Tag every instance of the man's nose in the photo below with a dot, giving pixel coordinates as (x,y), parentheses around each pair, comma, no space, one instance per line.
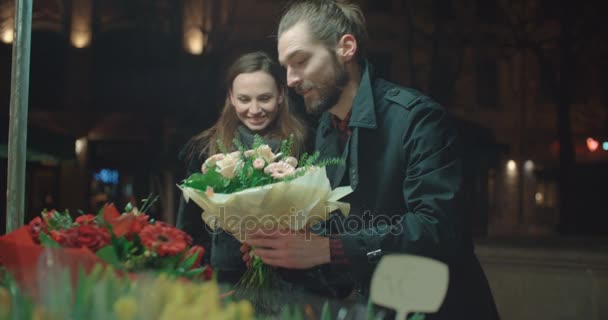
(293,79)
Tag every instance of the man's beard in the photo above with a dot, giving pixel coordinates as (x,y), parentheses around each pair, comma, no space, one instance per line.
(329,94)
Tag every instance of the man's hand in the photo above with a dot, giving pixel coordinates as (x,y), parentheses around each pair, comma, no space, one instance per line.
(245,252)
(287,249)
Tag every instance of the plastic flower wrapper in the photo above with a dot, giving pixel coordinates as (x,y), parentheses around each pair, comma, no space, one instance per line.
(249,189)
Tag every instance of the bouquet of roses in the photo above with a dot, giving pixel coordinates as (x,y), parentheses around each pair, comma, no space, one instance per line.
(130,241)
(256,188)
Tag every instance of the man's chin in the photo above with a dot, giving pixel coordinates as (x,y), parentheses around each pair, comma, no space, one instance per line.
(313,111)
(316,109)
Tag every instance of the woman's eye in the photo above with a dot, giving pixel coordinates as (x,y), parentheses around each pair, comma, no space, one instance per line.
(264,98)
(242,99)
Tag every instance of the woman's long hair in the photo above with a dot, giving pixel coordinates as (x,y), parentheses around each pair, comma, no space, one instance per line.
(285,123)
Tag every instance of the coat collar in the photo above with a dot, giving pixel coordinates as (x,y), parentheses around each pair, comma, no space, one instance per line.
(363,113)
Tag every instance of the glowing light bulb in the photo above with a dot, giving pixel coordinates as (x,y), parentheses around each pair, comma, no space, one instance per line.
(7,36)
(539,198)
(511,166)
(195,41)
(80,39)
(592,144)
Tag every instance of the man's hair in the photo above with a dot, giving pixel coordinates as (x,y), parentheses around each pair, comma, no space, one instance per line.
(328,21)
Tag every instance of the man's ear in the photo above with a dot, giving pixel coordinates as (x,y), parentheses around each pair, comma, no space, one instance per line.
(346,47)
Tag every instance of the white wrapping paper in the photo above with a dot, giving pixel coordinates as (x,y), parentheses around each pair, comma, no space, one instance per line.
(290,205)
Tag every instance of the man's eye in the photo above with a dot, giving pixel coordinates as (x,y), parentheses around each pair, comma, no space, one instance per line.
(302,62)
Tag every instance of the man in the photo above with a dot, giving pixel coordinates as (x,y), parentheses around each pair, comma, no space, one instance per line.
(402,161)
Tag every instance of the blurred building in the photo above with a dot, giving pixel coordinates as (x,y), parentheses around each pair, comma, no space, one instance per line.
(117,87)
(129,81)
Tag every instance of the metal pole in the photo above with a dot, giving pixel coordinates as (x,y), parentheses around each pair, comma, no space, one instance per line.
(17,134)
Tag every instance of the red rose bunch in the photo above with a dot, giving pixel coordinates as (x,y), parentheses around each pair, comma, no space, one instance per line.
(89,236)
(130,240)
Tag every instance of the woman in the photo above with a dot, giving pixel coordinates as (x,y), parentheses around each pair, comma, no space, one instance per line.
(256,103)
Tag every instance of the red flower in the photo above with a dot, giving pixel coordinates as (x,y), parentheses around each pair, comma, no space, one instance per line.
(85,219)
(92,237)
(124,225)
(64,238)
(208,273)
(197,251)
(140,221)
(34,228)
(128,224)
(185,235)
(89,236)
(164,240)
(109,212)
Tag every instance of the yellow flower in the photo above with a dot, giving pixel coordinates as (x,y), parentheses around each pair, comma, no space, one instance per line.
(125,308)
(228,313)
(174,299)
(41,314)
(5,303)
(245,309)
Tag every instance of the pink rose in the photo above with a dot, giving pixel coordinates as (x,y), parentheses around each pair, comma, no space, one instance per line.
(259,163)
(292,161)
(211,162)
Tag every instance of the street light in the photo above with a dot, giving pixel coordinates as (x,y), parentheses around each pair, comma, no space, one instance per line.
(592,144)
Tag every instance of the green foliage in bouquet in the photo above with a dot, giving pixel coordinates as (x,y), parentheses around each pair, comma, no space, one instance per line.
(229,172)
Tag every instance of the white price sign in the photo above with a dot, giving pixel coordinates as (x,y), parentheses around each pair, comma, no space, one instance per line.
(409,284)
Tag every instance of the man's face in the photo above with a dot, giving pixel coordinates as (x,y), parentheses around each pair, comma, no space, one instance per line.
(313,70)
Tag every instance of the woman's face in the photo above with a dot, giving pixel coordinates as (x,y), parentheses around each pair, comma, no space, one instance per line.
(256,99)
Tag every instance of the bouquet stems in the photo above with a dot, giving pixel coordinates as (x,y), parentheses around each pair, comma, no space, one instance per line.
(261,285)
